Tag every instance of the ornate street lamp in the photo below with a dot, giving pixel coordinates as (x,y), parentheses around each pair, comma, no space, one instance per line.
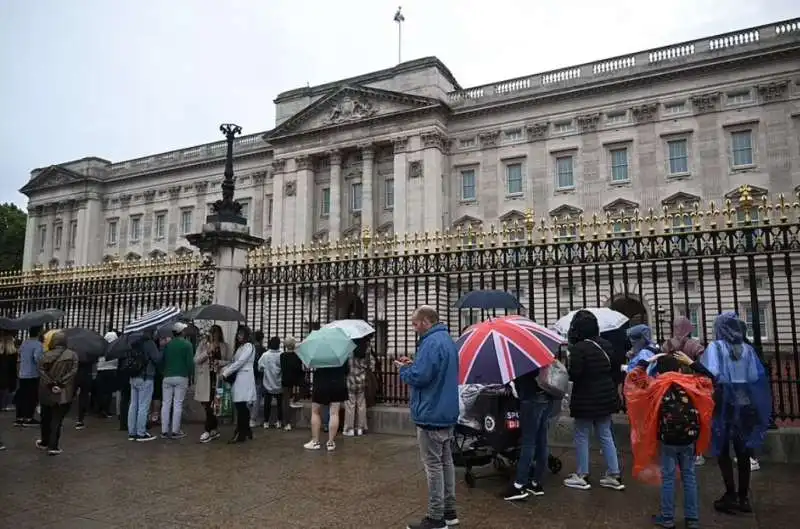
(227,209)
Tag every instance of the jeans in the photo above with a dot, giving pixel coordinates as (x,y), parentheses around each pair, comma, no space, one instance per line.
(436,451)
(602,427)
(173,393)
(533,418)
(52,422)
(141,397)
(83,384)
(682,457)
(743,455)
(268,406)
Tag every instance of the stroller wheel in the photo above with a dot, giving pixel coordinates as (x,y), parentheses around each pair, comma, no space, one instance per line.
(554,464)
(469,478)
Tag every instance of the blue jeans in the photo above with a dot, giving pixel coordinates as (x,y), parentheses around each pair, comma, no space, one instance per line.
(682,457)
(583,427)
(533,420)
(141,397)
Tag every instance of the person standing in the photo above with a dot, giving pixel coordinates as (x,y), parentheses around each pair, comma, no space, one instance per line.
(258,343)
(269,366)
(239,374)
(58,368)
(8,368)
(83,386)
(106,381)
(144,347)
(293,378)
(355,409)
(212,355)
(178,365)
(433,378)
(27,396)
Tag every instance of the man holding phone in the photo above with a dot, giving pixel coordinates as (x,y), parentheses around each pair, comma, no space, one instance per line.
(433,377)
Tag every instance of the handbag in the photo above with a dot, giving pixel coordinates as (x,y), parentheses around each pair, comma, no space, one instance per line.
(231,378)
(554,379)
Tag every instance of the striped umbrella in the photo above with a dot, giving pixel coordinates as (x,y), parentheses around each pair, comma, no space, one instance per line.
(153,319)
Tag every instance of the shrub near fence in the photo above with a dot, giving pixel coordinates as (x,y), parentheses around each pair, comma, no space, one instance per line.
(693,262)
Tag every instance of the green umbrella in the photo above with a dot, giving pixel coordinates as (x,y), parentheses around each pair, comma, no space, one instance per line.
(324,348)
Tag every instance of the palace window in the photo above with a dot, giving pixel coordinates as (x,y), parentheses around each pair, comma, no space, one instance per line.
(513,135)
(112,232)
(619,165)
(565,176)
(468,191)
(270,203)
(742,148)
(325,205)
(388,198)
(563,127)
(136,229)
(514,178)
(747,314)
(675,108)
(160,228)
(617,117)
(58,234)
(681,223)
(186,221)
(245,211)
(678,153)
(73,233)
(355,196)
(740,98)
(42,236)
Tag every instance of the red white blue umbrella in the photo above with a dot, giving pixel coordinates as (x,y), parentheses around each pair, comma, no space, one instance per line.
(499,350)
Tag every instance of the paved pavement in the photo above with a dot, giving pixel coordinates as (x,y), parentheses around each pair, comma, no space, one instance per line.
(104,481)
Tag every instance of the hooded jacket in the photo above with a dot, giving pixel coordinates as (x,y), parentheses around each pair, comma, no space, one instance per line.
(57,368)
(591,370)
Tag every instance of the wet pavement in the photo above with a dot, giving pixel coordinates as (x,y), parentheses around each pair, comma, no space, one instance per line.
(104,481)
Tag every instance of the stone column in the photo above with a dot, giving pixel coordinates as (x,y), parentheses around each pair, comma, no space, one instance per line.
(335,221)
(399,213)
(367,203)
(30,251)
(50,216)
(433,196)
(304,202)
(91,243)
(278,184)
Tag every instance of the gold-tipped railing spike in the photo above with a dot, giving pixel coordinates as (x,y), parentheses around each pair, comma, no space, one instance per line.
(530,224)
(745,202)
(782,207)
(728,213)
(543,229)
(765,210)
(697,216)
(637,222)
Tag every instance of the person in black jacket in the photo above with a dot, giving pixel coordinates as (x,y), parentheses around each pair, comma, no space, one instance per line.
(594,398)
(293,376)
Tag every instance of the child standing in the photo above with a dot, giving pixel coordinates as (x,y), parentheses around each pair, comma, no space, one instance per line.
(270,366)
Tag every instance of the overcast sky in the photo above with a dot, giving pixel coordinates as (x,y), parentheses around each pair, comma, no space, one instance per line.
(122,79)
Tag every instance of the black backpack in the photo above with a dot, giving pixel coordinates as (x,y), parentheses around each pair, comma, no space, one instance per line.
(679,422)
(133,362)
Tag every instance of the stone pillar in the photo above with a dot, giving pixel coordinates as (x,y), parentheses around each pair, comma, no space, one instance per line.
(304,201)
(91,243)
(399,213)
(335,222)
(31,242)
(278,185)
(50,217)
(367,175)
(433,195)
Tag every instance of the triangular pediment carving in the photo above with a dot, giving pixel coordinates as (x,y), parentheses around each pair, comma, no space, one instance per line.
(754,191)
(349,105)
(320,237)
(620,204)
(512,215)
(386,229)
(133,257)
(352,231)
(466,221)
(681,197)
(565,210)
(53,176)
(157,254)
(183,252)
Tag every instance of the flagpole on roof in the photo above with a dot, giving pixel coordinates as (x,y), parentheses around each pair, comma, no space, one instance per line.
(399,18)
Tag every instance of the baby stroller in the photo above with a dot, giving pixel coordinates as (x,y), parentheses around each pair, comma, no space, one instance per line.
(488,431)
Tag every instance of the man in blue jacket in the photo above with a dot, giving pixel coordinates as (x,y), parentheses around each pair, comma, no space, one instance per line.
(433,377)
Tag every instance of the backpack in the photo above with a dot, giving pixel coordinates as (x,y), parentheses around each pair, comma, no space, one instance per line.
(679,421)
(133,362)
(554,380)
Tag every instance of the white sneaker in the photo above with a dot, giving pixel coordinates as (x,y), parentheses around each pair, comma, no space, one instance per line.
(265,426)
(330,446)
(287,428)
(253,423)
(278,425)
(349,433)
(312,445)
(207,437)
(754,465)
(360,432)
(575,481)
(699,461)
(295,405)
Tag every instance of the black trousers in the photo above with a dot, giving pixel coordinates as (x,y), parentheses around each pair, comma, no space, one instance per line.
(243,420)
(105,385)
(268,406)
(743,455)
(52,423)
(27,398)
(83,385)
(124,404)
(211,422)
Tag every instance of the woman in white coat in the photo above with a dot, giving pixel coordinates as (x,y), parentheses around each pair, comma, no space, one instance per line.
(239,373)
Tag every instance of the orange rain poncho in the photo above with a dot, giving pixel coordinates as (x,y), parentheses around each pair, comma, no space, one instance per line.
(643,396)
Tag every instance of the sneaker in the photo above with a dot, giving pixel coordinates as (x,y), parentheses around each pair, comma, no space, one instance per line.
(744,506)
(754,465)
(287,428)
(360,432)
(40,445)
(534,489)
(699,461)
(330,446)
(612,482)
(253,423)
(574,481)
(19,423)
(146,437)
(428,523)
(726,504)
(278,425)
(451,518)
(349,433)
(265,426)
(80,425)
(660,521)
(515,492)
(312,445)
(295,405)
(178,435)
(166,435)
(207,437)
(2,447)
(691,523)
(132,437)
(54,452)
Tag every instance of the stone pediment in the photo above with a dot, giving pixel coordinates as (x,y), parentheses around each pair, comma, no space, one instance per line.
(53,176)
(620,204)
(466,221)
(565,210)
(512,215)
(754,191)
(681,197)
(350,105)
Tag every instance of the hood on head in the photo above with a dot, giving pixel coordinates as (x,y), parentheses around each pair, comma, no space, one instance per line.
(640,333)
(727,327)
(682,327)
(53,339)
(583,327)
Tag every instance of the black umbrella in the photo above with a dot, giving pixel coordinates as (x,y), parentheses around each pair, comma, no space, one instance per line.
(87,344)
(214,312)
(488,299)
(38,318)
(7,324)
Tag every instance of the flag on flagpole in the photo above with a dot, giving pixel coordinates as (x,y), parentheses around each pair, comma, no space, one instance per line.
(398,17)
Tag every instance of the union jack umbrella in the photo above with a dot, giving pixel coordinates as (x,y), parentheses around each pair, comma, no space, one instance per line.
(499,350)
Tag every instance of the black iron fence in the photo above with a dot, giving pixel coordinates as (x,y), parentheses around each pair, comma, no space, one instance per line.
(103,296)
(693,263)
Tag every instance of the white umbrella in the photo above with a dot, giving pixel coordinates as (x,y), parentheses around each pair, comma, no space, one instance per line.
(607,320)
(153,319)
(354,329)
